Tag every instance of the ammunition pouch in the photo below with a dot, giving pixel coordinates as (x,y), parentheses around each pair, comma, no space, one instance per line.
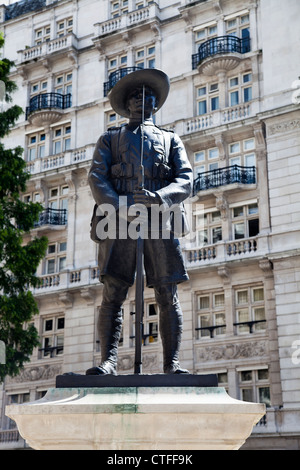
(122,170)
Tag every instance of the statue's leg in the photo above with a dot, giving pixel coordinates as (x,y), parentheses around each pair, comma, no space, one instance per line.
(170,326)
(110,325)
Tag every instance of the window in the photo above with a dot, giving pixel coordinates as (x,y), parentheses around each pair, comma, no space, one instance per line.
(254,386)
(223,380)
(38,96)
(240,89)
(64,27)
(208,98)
(40,394)
(38,87)
(56,258)
(52,336)
(61,139)
(115,63)
(202,101)
(63,83)
(239,26)
(242,153)
(58,197)
(210,315)
(35,197)
(204,34)
(151,324)
(36,145)
(142,3)
(245,221)
(42,35)
(209,228)
(247,87)
(205,160)
(250,310)
(118,8)
(145,57)
(17,399)
(114,120)
(58,202)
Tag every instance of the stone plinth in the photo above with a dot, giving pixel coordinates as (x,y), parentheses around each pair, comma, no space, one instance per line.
(136,418)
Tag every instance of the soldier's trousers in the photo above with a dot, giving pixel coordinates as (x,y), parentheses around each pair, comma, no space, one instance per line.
(110,319)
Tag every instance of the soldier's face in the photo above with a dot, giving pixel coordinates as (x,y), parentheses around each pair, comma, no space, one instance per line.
(135,102)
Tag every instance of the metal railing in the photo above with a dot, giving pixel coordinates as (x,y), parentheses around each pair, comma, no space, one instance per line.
(220,45)
(224,176)
(52,217)
(49,101)
(249,324)
(212,329)
(114,77)
(50,351)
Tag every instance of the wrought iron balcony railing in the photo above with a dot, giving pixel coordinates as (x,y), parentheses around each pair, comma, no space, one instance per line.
(49,101)
(220,45)
(114,77)
(224,176)
(52,217)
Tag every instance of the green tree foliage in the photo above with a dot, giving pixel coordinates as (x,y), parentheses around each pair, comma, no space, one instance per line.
(18,261)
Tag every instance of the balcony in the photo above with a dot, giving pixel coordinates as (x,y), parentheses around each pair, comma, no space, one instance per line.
(231,175)
(47,108)
(65,280)
(233,115)
(137,17)
(226,251)
(220,54)
(52,217)
(114,77)
(51,162)
(43,51)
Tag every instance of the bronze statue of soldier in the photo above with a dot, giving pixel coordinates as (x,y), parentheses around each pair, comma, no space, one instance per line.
(114,174)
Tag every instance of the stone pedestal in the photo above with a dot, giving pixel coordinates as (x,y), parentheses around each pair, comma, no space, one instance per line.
(136,418)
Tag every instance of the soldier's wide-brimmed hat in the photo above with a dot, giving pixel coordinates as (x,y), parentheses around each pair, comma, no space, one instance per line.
(155,79)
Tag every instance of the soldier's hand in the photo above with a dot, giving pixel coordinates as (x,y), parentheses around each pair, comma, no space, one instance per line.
(133,212)
(145,197)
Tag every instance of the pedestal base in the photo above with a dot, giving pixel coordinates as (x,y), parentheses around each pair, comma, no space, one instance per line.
(136,418)
(136,380)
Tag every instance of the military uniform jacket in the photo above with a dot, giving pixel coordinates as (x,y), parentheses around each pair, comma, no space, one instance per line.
(114,173)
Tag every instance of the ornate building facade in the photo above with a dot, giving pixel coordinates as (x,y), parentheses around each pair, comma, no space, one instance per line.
(234,70)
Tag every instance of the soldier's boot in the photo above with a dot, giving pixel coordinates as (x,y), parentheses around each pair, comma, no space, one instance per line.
(170,327)
(109,327)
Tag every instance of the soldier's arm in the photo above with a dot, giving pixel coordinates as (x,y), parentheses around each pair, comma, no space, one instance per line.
(180,187)
(99,174)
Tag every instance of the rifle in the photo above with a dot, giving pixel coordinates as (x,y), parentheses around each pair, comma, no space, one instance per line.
(139,287)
